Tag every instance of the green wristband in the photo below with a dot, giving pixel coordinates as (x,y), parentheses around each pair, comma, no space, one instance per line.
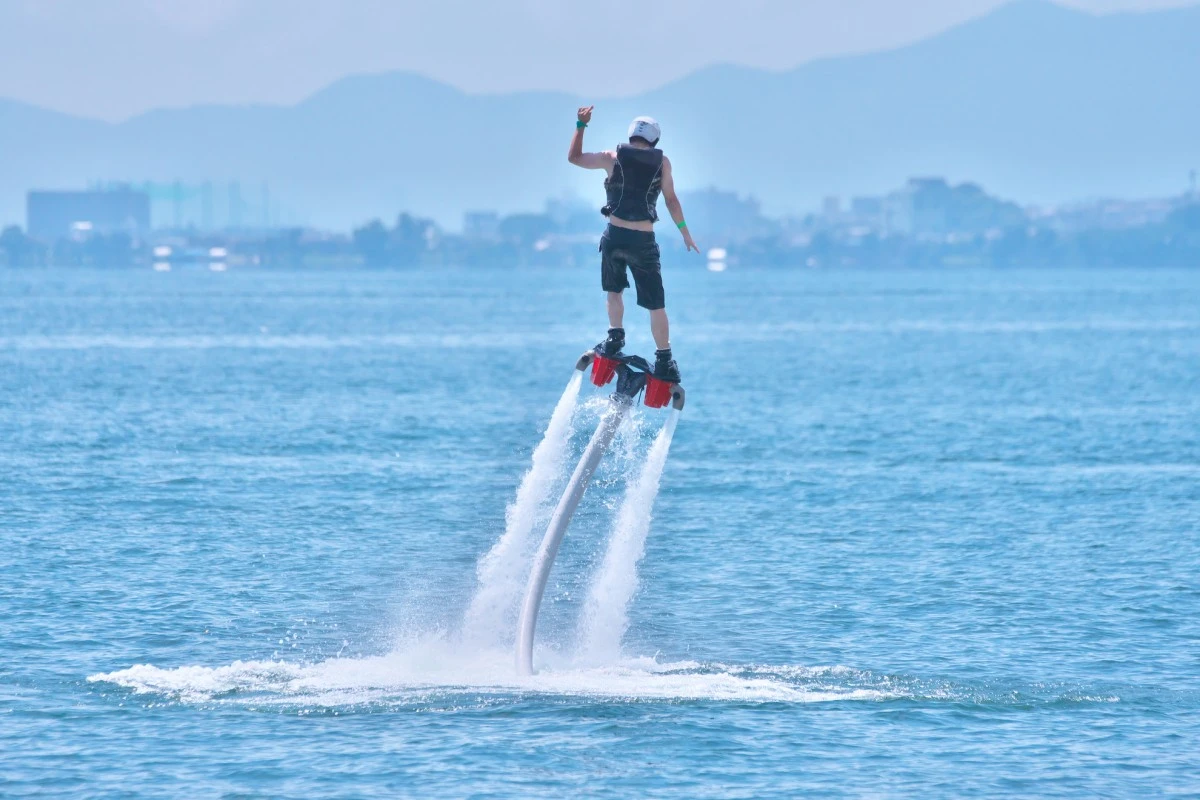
(580,124)
(682,224)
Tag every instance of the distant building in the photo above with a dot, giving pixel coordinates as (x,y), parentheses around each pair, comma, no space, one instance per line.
(1109,214)
(481,225)
(723,217)
(930,200)
(563,209)
(932,208)
(573,216)
(867,211)
(51,215)
(831,209)
(898,213)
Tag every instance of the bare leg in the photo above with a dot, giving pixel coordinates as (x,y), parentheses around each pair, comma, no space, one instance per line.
(660,328)
(616,309)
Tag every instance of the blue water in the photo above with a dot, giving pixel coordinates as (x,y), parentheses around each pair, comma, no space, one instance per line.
(919,534)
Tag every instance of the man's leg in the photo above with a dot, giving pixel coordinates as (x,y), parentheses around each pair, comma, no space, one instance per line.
(615,341)
(665,367)
(613,280)
(647,274)
(616,309)
(660,328)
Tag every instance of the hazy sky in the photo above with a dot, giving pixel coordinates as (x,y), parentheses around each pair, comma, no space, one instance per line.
(115,58)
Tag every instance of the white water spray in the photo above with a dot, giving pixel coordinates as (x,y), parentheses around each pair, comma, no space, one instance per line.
(491,616)
(606,611)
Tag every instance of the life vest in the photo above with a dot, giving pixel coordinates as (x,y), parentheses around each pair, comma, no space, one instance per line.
(635,184)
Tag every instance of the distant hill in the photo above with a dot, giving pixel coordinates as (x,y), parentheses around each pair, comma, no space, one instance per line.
(1034,101)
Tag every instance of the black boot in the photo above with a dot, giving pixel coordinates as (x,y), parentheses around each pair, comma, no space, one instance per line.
(612,346)
(665,368)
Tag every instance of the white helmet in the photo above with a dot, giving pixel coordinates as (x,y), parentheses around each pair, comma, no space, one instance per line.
(647,128)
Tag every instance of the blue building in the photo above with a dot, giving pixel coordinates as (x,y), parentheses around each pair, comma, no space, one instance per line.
(52,215)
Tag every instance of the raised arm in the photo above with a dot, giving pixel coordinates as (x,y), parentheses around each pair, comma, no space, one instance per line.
(673,204)
(576,155)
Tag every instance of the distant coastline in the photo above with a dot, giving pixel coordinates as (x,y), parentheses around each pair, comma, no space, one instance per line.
(926,223)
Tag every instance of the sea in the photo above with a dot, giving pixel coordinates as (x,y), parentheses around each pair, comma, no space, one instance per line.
(914,534)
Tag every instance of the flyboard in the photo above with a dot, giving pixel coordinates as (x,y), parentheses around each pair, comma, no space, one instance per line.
(633,376)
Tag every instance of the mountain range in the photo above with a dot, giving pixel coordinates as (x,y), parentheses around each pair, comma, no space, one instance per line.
(1037,102)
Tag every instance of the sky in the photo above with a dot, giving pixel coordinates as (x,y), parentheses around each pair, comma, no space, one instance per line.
(113,59)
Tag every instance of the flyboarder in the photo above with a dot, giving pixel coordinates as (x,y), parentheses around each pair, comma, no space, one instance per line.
(637,173)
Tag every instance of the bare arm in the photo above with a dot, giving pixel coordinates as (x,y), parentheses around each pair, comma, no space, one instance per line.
(673,204)
(579,158)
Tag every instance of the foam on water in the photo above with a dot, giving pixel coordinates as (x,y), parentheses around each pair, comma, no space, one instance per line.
(491,616)
(440,670)
(606,611)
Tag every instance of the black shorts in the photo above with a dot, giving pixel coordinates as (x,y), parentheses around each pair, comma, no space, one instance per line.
(621,248)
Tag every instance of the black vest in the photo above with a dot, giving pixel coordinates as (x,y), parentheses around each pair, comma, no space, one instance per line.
(635,184)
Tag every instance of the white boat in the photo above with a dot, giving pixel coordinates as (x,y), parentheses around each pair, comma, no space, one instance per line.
(716,259)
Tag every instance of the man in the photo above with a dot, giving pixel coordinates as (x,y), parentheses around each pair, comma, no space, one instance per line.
(637,173)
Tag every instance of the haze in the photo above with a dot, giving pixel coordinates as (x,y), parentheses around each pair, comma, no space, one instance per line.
(115,59)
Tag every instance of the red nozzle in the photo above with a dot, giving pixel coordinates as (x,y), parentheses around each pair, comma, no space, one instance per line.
(658,393)
(603,370)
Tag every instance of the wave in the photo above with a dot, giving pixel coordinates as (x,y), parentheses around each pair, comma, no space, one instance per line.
(500,340)
(439,670)
(438,673)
